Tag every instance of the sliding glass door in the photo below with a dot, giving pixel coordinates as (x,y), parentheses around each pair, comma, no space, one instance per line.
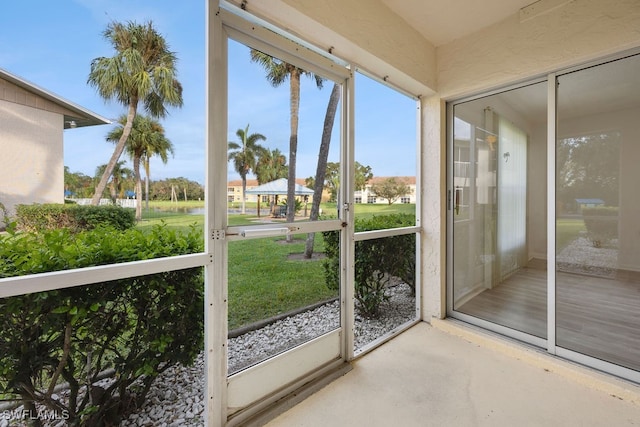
(511,173)
(597,207)
(497,209)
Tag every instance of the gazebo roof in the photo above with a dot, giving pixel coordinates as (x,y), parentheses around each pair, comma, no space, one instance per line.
(279,186)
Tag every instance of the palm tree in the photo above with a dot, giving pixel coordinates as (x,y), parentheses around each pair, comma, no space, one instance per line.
(145,140)
(119,176)
(277,73)
(160,151)
(271,165)
(244,155)
(321,169)
(143,70)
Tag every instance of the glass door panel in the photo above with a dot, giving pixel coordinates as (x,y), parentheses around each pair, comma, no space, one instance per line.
(597,205)
(279,275)
(498,199)
(284,127)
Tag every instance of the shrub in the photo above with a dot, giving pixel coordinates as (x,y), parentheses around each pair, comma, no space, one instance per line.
(297,207)
(134,328)
(601,224)
(377,261)
(50,216)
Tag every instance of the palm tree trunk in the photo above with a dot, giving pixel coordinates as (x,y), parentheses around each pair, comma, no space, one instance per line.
(113,190)
(147,172)
(293,146)
(117,152)
(244,191)
(136,172)
(321,169)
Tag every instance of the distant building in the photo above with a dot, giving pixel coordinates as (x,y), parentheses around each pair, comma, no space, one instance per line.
(368,196)
(234,191)
(589,203)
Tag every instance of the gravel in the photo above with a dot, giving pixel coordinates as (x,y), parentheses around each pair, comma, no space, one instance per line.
(177,396)
(581,257)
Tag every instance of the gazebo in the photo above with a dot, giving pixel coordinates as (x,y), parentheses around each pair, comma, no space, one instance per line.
(276,188)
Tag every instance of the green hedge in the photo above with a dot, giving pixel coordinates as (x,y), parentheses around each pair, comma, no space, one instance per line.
(377,261)
(134,328)
(51,216)
(601,224)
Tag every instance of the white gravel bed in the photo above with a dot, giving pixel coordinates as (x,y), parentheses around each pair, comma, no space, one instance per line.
(177,395)
(580,256)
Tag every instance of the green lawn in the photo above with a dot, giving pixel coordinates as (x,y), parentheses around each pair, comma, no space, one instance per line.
(567,230)
(263,281)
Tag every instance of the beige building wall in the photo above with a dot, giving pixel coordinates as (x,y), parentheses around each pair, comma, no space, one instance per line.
(32,169)
(517,49)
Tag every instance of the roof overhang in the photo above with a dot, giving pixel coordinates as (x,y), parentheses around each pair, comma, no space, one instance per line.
(77,116)
(279,186)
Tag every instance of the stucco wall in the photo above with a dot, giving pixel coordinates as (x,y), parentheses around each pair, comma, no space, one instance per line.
(511,51)
(32,168)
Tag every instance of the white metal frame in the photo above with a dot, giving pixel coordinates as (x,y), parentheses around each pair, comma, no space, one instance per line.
(256,388)
(551,213)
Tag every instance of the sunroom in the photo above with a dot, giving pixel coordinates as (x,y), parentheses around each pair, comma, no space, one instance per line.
(519,112)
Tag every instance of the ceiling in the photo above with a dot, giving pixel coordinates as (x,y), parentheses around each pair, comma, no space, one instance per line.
(442,21)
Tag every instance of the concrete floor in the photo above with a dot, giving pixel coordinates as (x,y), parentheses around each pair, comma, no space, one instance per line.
(449,374)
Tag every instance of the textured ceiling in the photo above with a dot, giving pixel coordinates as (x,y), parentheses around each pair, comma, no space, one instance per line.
(441,21)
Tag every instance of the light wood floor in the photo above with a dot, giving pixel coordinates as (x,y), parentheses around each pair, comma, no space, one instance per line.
(595,316)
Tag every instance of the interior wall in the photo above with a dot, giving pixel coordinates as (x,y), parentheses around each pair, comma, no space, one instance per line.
(512,51)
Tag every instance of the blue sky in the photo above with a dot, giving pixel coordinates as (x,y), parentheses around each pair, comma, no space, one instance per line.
(51,44)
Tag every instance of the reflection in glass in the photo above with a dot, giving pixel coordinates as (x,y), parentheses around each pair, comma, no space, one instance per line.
(385,293)
(498,197)
(597,249)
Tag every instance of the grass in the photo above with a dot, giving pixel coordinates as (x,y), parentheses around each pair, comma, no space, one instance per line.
(365,210)
(567,230)
(263,281)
